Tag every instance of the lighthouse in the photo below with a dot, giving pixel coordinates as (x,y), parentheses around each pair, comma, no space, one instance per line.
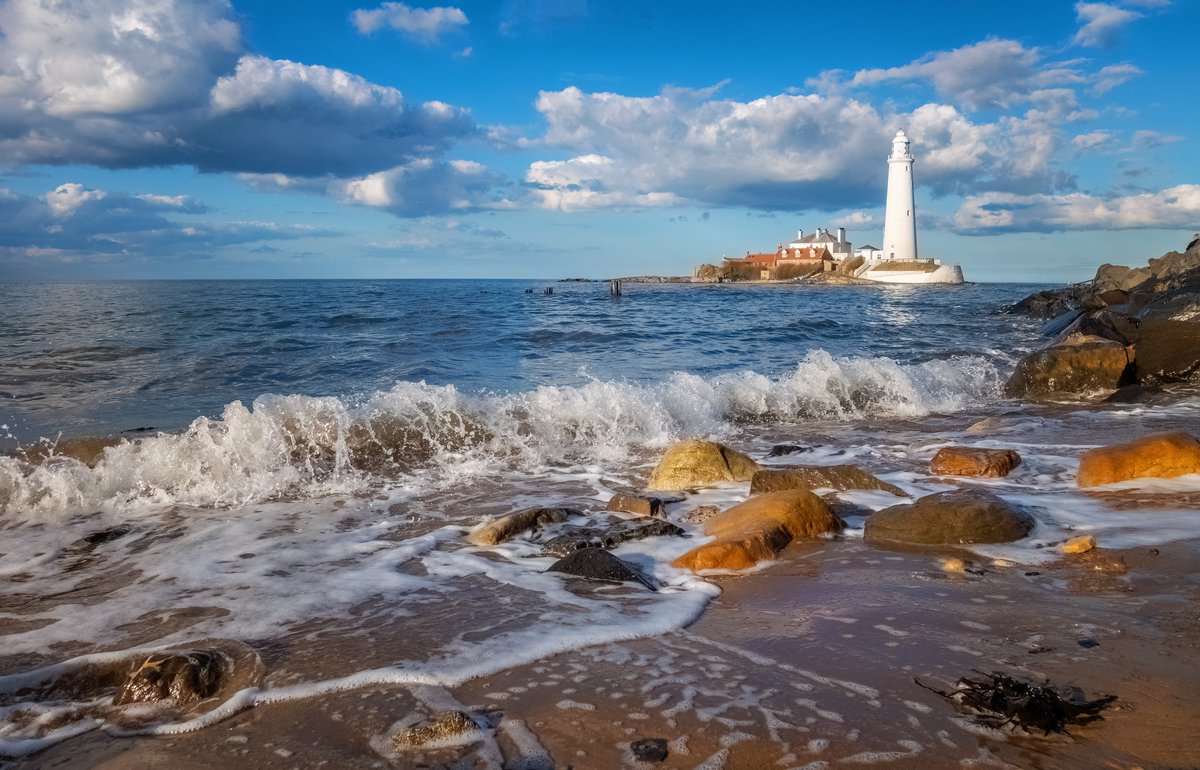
(900,217)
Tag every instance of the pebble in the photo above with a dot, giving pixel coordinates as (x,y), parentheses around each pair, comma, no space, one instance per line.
(1081,544)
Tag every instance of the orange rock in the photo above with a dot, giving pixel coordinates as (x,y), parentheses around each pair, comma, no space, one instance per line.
(758,529)
(970,461)
(1159,455)
(1081,544)
(697,463)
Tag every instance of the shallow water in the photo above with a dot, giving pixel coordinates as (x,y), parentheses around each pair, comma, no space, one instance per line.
(319,450)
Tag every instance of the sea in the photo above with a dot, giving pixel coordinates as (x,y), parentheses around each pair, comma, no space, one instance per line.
(293,466)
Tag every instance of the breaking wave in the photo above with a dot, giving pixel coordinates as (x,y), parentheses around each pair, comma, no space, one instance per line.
(298,446)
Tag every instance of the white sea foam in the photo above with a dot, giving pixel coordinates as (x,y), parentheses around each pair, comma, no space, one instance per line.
(300,446)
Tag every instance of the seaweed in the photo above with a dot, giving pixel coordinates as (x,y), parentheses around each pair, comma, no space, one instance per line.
(999,700)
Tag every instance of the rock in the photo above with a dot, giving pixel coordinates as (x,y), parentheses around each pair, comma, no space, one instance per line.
(1047,304)
(1055,325)
(1119,278)
(599,564)
(643,505)
(811,477)
(649,749)
(957,566)
(1086,366)
(783,450)
(1158,455)
(972,461)
(1168,343)
(445,728)
(700,514)
(959,516)
(507,527)
(183,676)
(1081,544)
(1110,325)
(759,529)
(611,537)
(697,463)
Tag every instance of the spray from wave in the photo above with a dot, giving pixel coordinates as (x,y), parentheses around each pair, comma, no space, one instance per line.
(293,446)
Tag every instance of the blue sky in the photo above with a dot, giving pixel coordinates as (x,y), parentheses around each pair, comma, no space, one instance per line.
(528,138)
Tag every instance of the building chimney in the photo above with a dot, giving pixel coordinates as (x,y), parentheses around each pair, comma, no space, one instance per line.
(841,235)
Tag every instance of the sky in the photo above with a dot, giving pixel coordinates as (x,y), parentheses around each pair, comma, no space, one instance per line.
(584,138)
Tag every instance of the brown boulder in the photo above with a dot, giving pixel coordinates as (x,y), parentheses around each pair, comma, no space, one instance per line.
(960,516)
(972,461)
(1083,366)
(1168,346)
(643,505)
(441,729)
(507,527)
(1158,455)
(758,529)
(811,477)
(179,676)
(697,463)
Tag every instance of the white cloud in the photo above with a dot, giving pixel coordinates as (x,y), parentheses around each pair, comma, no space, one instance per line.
(425,24)
(1175,207)
(1100,23)
(1093,140)
(1114,75)
(66,198)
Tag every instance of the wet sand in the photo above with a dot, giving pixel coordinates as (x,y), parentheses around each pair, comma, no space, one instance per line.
(810,661)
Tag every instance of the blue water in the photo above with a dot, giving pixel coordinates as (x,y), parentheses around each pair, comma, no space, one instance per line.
(81,359)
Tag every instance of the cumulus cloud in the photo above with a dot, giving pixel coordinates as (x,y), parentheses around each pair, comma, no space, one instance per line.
(784,152)
(1101,23)
(425,24)
(138,83)
(990,213)
(75,223)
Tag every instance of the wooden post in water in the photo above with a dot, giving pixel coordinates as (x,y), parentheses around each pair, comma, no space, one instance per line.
(614,287)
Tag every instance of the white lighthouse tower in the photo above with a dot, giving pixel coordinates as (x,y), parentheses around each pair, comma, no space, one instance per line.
(900,217)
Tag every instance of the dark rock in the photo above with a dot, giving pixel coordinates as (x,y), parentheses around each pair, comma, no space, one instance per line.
(596,537)
(649,749)
(1088,644)
(1168,344)
(643,505)
(840,477)
(599,564)
(180,676)
(783,450)
(1138,394)
(1060,322)
(106,535)
(1110,325)
(959,516)
(998,700)
(1047,304)
(1083,366)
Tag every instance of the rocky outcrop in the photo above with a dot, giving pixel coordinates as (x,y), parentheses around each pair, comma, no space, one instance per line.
(507,527)
(758,529)
(599,564)
(444,728)
(973,461)
(1083,365)
(1153,311)
(839,477)
(597,537)
(1158,455)
(180,676)
(698,463)
(946,518)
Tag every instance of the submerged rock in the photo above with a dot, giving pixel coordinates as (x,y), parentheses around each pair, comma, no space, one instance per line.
(445,728)
(758,529)
(840,477)
(999,700)
(608,537)
(1082,366)
(507,527)
(1158,455)
(972,461)
(599,564)
(698,463)
(180,676)
(700,514)
(959,516)
(783,450)
(649,749)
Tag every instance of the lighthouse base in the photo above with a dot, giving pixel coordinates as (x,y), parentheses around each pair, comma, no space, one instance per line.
(949,274)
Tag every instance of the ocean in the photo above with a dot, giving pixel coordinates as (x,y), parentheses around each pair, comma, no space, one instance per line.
(291,467)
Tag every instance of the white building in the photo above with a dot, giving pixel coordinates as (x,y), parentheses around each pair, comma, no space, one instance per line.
(837,245)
